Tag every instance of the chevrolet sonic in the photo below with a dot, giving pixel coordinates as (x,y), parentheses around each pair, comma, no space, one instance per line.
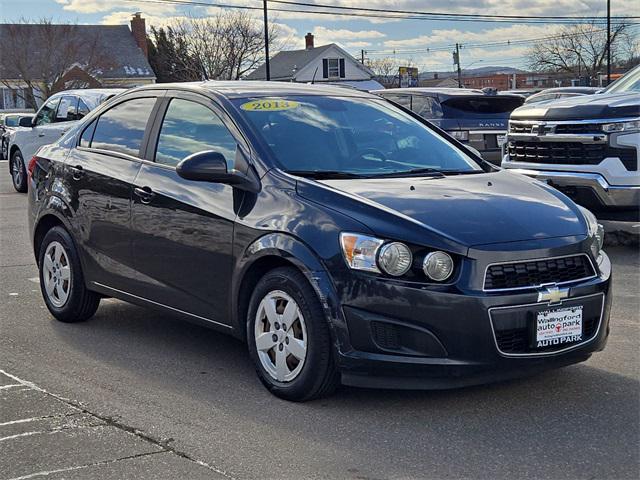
(344,238)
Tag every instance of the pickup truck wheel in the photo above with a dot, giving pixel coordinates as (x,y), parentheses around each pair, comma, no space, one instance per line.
(18,172)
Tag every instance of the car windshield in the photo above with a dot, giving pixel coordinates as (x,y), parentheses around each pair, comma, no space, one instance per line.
(629,83)
(348,136)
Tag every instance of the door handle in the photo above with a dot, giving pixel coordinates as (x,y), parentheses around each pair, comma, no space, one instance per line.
(41,134)
(77,172)
(145,194)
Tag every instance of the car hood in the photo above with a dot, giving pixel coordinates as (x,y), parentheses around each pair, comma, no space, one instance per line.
(619,105)
(465,210)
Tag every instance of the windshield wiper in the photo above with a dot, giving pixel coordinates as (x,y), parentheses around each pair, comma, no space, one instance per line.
(413,172)
(325,174)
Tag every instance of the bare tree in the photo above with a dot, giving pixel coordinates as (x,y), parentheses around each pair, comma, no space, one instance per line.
(36,57)
(581,50)
(225,46)
(385,71)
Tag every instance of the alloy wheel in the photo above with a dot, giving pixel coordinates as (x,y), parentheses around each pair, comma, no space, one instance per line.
(56,272)
(16,170)
(280,336)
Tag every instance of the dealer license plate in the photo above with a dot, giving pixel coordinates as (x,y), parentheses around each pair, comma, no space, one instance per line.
(500,139)
(559,326)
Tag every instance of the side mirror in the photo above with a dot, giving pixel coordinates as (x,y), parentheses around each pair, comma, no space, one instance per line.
(211,166)
(208,166)
(26,122)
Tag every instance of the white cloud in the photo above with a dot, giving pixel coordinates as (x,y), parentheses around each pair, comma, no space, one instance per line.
(99,6)
(496,34)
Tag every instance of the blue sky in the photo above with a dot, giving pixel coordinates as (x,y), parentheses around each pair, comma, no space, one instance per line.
(373,35)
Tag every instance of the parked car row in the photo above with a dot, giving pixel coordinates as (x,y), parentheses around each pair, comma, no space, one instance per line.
(51,121)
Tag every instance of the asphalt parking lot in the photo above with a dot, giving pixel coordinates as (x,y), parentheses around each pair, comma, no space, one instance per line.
(135,394)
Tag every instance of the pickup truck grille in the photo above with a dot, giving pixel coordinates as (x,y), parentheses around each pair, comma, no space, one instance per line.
(530,274)
(562,128)
(569,153)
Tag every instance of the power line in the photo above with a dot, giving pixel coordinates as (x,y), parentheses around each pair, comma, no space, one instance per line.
(480,45)
(443,14)
(393,16)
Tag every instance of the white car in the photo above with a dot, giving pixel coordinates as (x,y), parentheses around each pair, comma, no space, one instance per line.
(53,119)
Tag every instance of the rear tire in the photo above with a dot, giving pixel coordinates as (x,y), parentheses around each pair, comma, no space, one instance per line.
(61,279)
(18,172)
(304,345)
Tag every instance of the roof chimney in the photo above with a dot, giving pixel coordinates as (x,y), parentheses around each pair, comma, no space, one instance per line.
(139,31)
(308,40)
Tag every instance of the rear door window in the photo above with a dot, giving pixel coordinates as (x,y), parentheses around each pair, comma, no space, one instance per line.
(82,109)
(189,127)
(404,100)
(121,128)
(426,107)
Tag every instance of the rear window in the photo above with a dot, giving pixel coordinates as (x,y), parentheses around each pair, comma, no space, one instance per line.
(480,106)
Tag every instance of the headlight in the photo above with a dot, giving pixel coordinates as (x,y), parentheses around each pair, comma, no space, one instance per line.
(438,266)
(631,126)
(360,251)
(462,135)
(595,230)
(395,259)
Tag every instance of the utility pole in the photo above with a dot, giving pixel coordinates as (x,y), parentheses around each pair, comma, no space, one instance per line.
(456,60)
(608,42)
(266,39)
(362,57)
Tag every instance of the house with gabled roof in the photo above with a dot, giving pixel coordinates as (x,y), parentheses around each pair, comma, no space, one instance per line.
(124,61)
(326,63)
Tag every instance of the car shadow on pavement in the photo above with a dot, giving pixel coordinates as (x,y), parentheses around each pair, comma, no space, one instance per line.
(209,375)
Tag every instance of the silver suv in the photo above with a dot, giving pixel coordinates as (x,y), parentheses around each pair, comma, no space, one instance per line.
(587,147)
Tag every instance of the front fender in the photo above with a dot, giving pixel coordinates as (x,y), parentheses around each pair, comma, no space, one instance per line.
(296,252)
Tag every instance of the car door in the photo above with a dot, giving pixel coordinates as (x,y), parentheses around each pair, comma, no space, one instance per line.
(183,229)
(99,173)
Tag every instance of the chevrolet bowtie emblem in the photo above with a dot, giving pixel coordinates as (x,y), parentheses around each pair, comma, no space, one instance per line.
(552,293)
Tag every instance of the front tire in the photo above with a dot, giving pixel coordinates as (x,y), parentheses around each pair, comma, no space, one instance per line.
(61,279)
(288,337)
(18,172)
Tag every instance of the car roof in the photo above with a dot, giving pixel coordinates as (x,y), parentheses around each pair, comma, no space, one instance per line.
(569,90)
(251,88)
(439,90)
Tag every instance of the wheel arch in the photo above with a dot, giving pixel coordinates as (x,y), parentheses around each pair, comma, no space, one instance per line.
(45,223)
(272,251)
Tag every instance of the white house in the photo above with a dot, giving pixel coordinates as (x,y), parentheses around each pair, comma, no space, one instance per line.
(328,63)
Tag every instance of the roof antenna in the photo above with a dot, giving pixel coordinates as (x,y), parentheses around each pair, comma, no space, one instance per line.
(313,80)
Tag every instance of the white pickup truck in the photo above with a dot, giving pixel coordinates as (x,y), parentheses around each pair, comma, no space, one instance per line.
(51,121)
(587,147)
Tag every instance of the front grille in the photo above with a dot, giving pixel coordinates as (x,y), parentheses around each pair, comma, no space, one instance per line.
(537,272)
(579,128)
(516,340)
(564,128)
(569,153)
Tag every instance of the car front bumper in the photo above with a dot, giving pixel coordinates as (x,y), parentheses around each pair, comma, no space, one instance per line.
(591,190)
(447,340)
